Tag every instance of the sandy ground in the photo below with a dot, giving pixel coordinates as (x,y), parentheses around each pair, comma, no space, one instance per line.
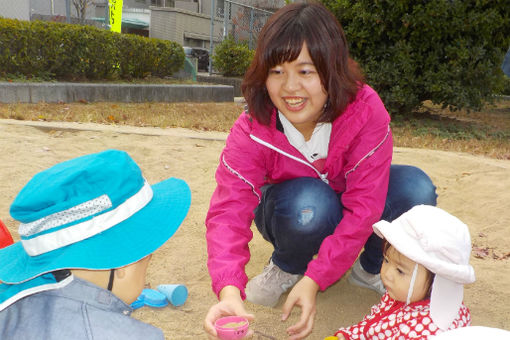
(473,188)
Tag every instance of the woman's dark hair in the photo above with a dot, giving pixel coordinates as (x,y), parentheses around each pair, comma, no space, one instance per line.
(430,275)
(281,40)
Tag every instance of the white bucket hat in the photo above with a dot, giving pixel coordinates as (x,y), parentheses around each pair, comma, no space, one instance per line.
(441,243)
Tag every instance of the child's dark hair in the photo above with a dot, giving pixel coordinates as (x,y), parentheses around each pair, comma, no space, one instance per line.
(430,275)
(281,40)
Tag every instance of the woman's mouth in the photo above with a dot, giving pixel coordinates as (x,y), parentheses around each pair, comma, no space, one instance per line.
(294,103)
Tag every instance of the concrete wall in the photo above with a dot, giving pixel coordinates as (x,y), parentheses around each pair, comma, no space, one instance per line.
(176,24)
(19,9)
(231,81)
(187,5)
(72,92)
(163,25)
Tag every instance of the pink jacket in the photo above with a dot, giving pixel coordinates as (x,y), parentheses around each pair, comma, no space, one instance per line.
(357,165)
(394,320)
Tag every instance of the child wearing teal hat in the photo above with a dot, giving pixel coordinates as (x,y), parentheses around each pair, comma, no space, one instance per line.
(88,228)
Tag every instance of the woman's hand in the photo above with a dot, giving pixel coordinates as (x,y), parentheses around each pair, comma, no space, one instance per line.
(230,304)
(303,295)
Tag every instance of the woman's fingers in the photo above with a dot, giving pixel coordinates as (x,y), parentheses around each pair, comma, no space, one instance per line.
(303,295)
(305,324)
(229,305)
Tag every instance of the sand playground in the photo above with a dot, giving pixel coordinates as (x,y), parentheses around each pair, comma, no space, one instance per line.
(475,189)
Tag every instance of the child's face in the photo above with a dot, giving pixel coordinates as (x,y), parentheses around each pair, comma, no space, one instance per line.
(295,88)
(396,273)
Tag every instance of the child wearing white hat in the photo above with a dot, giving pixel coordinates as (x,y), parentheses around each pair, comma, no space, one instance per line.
(426,264)
(88,228)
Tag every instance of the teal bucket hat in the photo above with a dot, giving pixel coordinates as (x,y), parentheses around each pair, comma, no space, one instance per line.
(92,212)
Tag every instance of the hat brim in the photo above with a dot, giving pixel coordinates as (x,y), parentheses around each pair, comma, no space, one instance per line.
(405,244)
(121,245)
(9,294)
(410,247)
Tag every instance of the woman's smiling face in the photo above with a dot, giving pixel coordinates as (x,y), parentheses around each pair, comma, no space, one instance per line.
(295,88)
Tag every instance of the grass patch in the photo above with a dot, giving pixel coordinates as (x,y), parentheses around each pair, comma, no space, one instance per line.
(197,116)
(485,132)
(481,133)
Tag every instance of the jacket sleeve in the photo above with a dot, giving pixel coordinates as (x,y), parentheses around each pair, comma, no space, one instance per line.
(366,173)
(239,176)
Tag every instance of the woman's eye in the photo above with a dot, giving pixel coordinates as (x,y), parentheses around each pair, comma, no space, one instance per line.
(400,271)
(385,259)
(274,71)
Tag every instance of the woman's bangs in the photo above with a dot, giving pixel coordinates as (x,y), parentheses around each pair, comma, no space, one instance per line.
(286,47)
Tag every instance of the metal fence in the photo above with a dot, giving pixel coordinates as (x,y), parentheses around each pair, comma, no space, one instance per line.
(243,22)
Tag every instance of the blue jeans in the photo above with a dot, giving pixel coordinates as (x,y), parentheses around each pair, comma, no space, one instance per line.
(298,214)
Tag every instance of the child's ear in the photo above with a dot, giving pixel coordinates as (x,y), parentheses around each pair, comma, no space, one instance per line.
(120,273)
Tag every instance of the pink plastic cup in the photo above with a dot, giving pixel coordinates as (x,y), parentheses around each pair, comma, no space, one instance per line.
(231,327)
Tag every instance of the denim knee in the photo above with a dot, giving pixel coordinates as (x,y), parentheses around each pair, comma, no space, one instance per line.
(305,207)
(408,186)
(296,216)
(417,186)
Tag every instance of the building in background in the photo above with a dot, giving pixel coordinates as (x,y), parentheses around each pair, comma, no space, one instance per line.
(81,12)
(19,9)
(187,22)
(136,15)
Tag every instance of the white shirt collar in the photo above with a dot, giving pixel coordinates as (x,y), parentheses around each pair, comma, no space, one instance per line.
(313,149)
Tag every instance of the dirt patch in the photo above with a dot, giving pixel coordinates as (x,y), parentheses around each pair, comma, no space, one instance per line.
(473,188)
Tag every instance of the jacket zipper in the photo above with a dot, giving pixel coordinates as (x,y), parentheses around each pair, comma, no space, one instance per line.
(323,177)
(378,318)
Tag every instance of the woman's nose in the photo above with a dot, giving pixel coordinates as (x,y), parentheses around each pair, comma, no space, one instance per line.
(291,82)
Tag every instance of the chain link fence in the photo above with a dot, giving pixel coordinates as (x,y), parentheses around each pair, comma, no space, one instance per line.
(242,22)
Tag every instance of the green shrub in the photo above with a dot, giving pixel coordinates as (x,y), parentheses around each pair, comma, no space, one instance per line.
(231,58)
(61,51)
(446,51)
(506,87)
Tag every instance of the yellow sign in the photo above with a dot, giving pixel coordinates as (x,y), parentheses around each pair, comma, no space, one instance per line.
(115,15)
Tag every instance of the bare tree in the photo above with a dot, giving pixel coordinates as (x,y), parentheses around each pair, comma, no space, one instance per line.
(81,8)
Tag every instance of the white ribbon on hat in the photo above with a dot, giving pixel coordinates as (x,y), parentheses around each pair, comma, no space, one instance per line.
(411,284)
(77,232)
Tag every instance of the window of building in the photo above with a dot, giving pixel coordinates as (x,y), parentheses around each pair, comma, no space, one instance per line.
(163,3)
